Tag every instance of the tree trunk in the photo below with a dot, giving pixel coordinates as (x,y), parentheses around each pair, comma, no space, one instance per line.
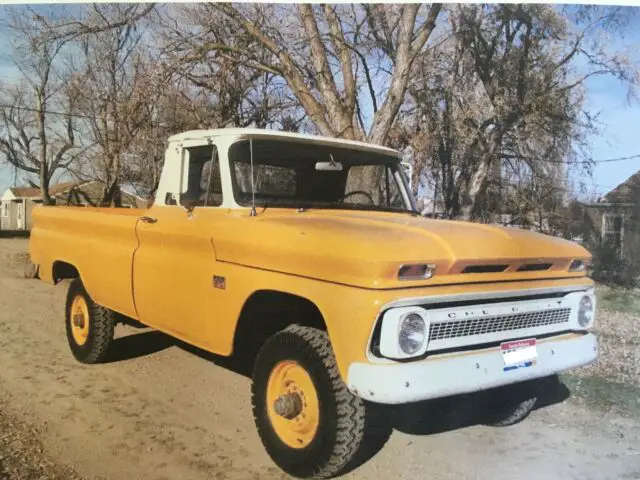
(111,195)
(44,185)
(42,133)
(478,181)
(476,188)
(112,185)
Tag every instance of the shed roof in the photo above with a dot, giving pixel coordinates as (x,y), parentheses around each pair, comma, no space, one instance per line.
(31,192)
(627,192)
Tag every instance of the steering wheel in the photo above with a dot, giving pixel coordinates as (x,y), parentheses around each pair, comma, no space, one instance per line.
(355,192)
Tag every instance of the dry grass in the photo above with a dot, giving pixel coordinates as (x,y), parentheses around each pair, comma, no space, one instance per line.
(618,330)
(618,299)
(613,382)
(21,454)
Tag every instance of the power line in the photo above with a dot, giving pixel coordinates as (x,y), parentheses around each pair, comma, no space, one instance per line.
(77,115)
(612,159)
(47,112)
(591,161)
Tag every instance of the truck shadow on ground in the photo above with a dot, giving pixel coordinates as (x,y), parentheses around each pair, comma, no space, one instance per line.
(15,233)
(420,418)
(452,413)
(139,345)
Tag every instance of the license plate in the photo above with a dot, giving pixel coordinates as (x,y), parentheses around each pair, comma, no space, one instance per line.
(519,354)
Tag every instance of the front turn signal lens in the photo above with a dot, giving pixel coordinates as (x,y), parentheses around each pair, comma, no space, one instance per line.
(578,266)
(419,271)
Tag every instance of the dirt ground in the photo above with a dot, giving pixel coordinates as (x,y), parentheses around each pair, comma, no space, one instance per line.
(161,411)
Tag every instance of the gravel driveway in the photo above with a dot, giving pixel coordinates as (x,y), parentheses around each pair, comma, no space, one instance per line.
(161,411)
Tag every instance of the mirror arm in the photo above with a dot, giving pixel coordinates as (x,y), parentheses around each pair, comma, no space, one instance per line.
(189,205)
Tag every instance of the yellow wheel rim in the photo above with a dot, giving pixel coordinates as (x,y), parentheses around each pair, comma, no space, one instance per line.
(292,404)
(79,320)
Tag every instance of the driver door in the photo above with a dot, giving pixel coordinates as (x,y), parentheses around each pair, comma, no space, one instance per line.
(174,263)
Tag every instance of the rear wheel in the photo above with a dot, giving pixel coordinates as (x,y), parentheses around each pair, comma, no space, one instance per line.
(513,403)
(308,421)
(89,326)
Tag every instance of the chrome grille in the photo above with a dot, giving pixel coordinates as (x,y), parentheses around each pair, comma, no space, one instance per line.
(497,323)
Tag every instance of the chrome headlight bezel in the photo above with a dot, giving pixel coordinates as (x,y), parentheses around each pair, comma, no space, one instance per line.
(416,271)
(395,324)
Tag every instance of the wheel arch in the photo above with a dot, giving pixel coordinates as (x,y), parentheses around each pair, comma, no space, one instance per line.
(266,312)
(62,270)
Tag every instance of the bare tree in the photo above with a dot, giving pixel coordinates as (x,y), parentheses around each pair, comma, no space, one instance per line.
(37,129)
(494,114)
(237,95)
(506,96)
(113,87)
(324,54)
(170,111)
(66,28)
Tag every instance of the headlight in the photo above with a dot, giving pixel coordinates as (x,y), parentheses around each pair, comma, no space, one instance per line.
(404,333)
(585,311)
(412,333)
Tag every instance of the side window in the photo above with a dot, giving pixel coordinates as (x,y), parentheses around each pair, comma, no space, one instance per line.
(204,186)
(394,198)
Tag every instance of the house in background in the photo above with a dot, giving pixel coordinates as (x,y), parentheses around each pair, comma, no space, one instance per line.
(612,218)
(17,202)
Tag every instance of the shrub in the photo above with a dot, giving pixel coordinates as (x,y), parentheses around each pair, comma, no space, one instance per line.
(612,267)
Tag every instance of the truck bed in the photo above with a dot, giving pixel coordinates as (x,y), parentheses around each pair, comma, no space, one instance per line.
(98,242)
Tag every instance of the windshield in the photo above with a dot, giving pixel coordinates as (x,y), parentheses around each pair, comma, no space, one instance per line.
(300,175)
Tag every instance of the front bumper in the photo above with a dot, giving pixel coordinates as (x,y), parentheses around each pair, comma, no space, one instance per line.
(465,372)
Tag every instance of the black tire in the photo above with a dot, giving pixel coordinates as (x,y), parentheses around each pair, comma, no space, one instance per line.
(511,404)
(101,326)
(344,418)
(512,413)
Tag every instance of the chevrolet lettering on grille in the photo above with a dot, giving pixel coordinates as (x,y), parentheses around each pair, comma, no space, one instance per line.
(482,324)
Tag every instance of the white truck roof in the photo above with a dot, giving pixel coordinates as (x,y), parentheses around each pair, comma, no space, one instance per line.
(257,132)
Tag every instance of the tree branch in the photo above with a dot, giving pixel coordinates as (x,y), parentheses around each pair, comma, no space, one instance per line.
(426,29)
(74,29)
(289,69)
(405,55)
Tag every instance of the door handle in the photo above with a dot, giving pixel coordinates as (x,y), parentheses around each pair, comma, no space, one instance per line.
(147,219)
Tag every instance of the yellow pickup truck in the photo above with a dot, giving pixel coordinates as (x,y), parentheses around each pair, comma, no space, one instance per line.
(275,247)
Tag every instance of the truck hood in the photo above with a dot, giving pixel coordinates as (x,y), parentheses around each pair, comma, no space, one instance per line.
(366,249)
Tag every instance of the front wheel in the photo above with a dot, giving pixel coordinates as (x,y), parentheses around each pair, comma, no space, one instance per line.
(89,326)
(308,421)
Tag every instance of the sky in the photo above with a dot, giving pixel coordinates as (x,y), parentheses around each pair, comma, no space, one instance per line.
(619,119)
(620,135)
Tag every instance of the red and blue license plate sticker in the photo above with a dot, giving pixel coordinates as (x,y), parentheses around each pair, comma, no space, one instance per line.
(519,354)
